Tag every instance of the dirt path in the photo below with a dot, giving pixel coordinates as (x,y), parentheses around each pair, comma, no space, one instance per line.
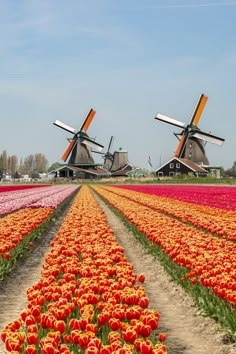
(186,334)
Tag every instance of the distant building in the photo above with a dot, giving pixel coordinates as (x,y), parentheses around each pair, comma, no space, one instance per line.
(74,172)
(179,167)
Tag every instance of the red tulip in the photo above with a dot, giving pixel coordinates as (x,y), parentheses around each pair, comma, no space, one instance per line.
(12,344)
(161,337)
(106,349)
(146,347)
(60,326)
(141,278)
(95,342)
(143,330)
(32,338)
(64,349)
(30,349)
(48,348)
(143,302)
(29,320)
(129,335)
(7,255)
(91,327)
(114,324)
(92,350)
(84,340)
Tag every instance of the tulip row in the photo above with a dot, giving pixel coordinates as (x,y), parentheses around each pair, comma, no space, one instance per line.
(50,196)
(216,221)
(17,235)
(88,299)
(8,188)
(19,229)
(207,262)
(223,197)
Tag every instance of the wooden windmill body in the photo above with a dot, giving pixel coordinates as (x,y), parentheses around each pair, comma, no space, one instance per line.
(80,145)
(116,160)
(120,160)
(192,140)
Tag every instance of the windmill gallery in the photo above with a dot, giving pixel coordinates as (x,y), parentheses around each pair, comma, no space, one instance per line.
(189,157)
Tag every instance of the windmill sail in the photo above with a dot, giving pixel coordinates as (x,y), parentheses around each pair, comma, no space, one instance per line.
(80,146)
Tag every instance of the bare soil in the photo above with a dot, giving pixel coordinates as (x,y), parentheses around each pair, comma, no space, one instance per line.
(186,332)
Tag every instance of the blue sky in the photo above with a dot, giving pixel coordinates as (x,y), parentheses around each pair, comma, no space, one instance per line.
(128,60)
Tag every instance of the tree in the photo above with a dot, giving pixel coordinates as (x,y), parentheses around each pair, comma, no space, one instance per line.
(28,164)
(4,161)
(234,169)
(41,163)
(13,164)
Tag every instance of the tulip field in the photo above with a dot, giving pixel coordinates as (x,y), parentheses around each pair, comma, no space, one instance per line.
(195,242)
(88,298)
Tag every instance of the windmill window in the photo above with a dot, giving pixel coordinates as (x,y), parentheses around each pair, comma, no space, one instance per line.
(178,165)
(171,165)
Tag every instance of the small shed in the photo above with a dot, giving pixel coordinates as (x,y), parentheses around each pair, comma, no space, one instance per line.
(73,172)
(138,172)
(179,167)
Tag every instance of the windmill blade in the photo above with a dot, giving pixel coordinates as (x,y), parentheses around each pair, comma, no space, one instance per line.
(87,121)
(208,137)
(169,120)
(198,110)
(180,145)
(64,126)
(92,144)
(68,150)
(110,143)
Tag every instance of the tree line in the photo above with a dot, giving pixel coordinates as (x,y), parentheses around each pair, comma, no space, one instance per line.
(31,165)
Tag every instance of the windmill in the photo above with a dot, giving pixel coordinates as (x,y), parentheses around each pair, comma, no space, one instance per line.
(80,146)
(108,156)
(192,140)
(114,161)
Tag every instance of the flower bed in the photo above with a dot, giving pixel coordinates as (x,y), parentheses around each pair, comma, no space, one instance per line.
(88,299)
(205,265)
(215,196)
(50,196)
(214,220)
(17,235)
(19,229)
(11,188)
